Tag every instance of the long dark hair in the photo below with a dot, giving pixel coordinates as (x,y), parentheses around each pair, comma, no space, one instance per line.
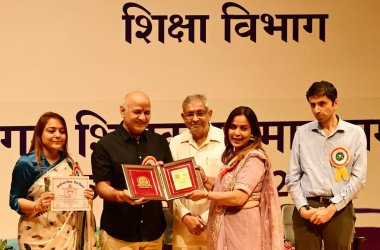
(36,144)
(229,153)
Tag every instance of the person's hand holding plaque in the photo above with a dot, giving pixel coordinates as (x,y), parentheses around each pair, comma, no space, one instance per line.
(201,172)
(207,182)
(125,196)
(197,195)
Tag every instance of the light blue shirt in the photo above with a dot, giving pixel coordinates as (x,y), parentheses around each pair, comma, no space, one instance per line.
(310,171)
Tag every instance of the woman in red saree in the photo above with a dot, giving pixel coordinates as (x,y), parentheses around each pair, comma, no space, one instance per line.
(244,210)
(40,228)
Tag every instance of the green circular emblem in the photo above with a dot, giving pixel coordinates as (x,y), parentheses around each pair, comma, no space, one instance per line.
(339,156)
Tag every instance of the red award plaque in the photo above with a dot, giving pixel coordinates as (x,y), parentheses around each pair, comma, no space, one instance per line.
(171,181)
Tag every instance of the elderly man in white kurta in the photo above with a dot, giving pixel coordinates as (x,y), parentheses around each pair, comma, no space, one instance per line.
(206,143)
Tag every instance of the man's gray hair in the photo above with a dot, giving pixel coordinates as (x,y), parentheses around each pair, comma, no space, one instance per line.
(197,97)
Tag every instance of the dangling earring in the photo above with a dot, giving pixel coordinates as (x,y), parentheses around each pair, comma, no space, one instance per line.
(251,139)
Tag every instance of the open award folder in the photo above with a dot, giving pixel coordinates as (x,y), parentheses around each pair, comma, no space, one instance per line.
(171,181)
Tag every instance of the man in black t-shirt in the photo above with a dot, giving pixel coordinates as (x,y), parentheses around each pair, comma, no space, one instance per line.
(134,224)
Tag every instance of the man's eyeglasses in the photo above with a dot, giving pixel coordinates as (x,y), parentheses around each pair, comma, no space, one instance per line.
(199,114)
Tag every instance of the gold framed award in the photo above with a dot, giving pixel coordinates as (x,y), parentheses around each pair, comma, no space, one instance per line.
(170,181)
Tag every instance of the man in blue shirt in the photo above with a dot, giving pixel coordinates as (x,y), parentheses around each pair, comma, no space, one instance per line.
(327,169)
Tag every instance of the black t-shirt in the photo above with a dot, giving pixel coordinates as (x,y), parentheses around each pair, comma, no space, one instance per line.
(123,221)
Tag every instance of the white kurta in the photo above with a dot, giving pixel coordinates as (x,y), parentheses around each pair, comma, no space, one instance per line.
(208,156)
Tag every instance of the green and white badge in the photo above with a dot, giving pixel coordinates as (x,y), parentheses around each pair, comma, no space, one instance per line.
(339,158)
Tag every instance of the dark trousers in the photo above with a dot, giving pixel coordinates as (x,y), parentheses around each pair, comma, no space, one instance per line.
(336,234)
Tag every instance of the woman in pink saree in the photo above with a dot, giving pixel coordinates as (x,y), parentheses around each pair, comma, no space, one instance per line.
(40,228)
(244,210)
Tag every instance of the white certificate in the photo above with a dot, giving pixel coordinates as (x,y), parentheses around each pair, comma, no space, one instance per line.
(69,193)
(181,178)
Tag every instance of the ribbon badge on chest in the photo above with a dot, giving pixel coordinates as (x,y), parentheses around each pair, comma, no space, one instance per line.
(149,161)
(339,158)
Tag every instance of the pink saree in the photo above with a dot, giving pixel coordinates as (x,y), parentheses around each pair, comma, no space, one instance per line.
(271,232)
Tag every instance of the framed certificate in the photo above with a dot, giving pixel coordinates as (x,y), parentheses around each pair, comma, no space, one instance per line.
(180,177)
(68,193)
(171,181)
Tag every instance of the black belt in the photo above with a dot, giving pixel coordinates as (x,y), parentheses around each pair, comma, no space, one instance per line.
(320,199)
